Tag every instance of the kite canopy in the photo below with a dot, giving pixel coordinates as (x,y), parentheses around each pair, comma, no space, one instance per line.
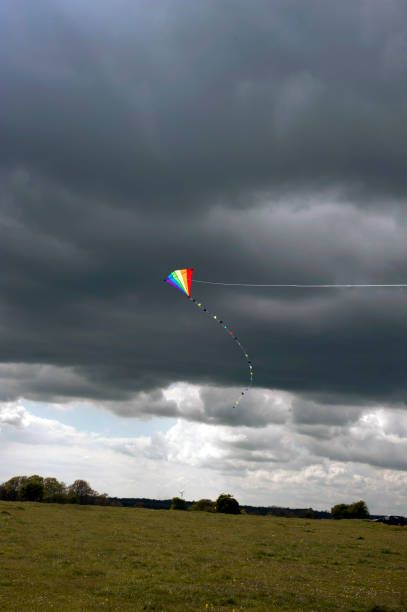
(181,279)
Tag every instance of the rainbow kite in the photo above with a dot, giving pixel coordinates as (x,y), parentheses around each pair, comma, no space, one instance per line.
(181,279)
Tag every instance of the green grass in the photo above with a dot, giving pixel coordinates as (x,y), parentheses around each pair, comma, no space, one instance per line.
(84,558)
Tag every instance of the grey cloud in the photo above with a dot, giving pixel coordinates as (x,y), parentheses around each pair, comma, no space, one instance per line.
(377,437)
(212,406)
(381,453)
(313,413)
(274,447)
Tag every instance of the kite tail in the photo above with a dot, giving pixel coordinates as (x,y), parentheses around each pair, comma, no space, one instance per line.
(227,329)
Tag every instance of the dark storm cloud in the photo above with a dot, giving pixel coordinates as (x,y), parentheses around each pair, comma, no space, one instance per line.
(244,139)
(158,101)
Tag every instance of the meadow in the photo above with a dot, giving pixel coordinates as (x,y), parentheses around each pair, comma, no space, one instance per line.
(84,558)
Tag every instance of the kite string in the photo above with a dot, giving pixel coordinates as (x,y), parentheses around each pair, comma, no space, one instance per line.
(305,286)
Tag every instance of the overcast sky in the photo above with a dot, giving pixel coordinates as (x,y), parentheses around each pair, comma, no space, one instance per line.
(259,142)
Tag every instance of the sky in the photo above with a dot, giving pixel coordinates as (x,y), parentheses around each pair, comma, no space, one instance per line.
(256,142)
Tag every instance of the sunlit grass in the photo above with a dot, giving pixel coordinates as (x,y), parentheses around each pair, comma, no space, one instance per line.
(55,557)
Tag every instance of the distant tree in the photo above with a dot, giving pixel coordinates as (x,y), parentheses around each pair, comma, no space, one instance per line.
(11,487)
(203,505)
(54,491)
(32,490)
(81,492)
(178,504)
(227,504)
(356,510)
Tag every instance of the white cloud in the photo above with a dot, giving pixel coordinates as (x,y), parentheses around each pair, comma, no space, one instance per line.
(13,413)
(279,464)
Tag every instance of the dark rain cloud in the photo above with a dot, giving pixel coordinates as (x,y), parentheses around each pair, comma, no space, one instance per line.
(257,142)
(160,102)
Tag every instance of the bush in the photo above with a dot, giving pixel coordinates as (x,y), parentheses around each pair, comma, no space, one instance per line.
(227,504)
(178,504)
(339,511)
(204,505)
(307,513)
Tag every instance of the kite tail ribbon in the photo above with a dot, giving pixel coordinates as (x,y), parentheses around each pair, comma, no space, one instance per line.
(230,333)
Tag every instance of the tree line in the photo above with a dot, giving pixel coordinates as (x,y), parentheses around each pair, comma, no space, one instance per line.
(50,490)
(228,505)
(165,504)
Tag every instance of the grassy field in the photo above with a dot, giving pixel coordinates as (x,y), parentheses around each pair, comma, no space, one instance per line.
(55,557)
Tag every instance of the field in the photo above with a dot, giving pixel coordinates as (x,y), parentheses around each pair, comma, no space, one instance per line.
(84,558)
